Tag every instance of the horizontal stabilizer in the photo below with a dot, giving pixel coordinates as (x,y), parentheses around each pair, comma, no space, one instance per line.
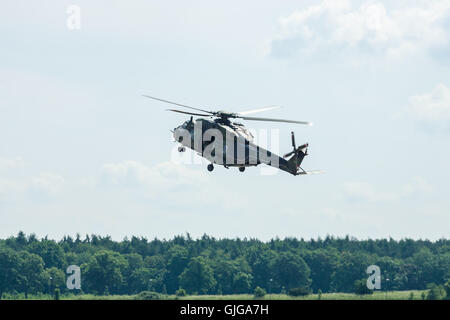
(312,172)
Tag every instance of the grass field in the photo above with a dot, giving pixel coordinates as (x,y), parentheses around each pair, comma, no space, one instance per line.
(391,295)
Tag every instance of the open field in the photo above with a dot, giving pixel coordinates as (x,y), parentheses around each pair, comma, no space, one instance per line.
(391,295)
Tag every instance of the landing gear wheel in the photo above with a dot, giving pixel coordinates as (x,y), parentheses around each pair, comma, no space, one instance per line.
(241,169)
(210,167)
(181,149)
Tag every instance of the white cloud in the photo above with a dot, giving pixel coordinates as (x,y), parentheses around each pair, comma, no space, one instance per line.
(363,191)
(8,186)
(373,26)
(366,192)
(161,176)
(48,183)
(44,184)
(157,181)
(169,182)
(433,106)
(7,163)
(416,185)
(14,182)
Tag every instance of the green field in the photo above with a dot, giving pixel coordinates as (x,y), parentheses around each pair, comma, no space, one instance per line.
(391,295)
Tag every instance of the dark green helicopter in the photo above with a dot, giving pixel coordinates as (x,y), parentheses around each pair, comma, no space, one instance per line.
(230,144)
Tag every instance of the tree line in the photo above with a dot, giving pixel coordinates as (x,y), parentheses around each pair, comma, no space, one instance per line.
(218,266)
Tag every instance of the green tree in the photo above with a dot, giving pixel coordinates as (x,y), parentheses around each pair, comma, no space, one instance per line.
(9,265)
(21,241)
(72,258)
(180,292)
(134,260)
(351,267)
(177,260)
(140,280)
(435,292)
(198,277)
(155,262)
(31,277)
(239,265)
(447,289)
(392,269)
(133,280)
(291,271)
(262,260)
(51,253)
(104,272)
(56,279)
(360,287)
(259,292)
(298,292)
(323,264)
(224,272)
(56,294)
(242,282)
(426,262)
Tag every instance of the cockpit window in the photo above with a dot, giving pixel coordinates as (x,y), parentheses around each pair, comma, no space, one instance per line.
(187,125)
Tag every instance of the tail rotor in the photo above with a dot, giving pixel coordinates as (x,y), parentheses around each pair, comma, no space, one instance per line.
(295,149)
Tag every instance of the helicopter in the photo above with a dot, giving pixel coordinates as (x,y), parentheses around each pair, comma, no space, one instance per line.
(223,141)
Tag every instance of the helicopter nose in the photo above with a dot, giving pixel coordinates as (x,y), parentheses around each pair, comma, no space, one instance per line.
(177,134)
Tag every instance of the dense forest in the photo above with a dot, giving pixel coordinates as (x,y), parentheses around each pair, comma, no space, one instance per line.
(218,266)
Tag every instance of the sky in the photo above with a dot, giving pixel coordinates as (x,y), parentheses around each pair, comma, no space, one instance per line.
(81,151)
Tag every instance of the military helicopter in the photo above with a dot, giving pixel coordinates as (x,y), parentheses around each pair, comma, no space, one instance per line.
(229,143)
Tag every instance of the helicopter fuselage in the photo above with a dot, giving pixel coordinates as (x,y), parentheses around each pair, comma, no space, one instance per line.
(230,144)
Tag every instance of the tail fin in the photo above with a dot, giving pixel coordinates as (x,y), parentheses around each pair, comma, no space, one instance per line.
(297,156)
(296,160)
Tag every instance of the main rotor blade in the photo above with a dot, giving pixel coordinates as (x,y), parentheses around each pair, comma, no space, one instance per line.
(276,120)
(191,113)
(243,113)
(177,104)
(293,140)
